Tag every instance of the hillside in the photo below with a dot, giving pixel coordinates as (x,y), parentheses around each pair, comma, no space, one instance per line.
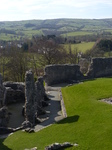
(25,29)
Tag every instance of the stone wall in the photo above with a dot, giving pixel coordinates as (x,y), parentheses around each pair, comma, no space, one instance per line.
(39,94)
(2,92)
(30,95)
(55,74)
(100,67)
(34,96)
(4,117)
(15,92)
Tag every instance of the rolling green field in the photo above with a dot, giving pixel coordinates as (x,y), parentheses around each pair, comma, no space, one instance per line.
(25,34)
(77,33)
(8,37)
(81,47)
(30,33)
(65,27)
(89,121)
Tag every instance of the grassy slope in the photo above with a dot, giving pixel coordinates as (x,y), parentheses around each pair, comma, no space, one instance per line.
(77,33)
(81,47)
(72,27)
(89,121)
(8,37)
(30,33)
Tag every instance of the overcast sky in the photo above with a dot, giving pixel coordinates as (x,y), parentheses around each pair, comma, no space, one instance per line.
(11,10)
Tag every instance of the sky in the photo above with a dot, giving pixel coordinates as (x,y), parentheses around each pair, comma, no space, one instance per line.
(16,10)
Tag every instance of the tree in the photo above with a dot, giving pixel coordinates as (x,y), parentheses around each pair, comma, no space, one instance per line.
(49,51)
(72,55)
(17,64)
(3,61)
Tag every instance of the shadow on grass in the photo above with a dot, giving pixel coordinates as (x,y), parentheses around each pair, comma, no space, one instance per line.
(65,148)
(108,77)
(70,119)
(2,146)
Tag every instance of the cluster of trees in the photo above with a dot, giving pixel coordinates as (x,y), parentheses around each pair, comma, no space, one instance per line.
(105,45)
(35,54)
(6,31)
(13,63)
(101,48)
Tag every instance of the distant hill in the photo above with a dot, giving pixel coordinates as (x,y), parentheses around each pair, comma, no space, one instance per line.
(27,29)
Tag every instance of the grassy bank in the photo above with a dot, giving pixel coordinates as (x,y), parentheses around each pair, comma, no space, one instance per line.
(81,47)
(89,121)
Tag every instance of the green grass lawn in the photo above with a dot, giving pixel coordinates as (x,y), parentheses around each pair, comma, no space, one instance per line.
(89,121)
(81,47)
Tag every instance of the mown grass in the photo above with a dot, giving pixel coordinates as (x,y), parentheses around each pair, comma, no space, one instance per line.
(81,47)
(89,121)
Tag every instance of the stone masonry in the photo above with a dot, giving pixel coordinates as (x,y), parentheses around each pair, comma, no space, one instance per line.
(30,95)
(15,92)
(34,96)
(40,92)
(100,67)
(55,74)
(4,117)
(2,91)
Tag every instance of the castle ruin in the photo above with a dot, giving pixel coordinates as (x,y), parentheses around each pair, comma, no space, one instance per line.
(33,93)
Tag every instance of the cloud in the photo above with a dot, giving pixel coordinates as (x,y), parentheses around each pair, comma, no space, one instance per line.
(36,9)
(80,3)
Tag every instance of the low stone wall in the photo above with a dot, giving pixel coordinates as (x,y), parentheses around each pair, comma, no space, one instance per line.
(63,109)
(100,67)
(15,92)
(55,74)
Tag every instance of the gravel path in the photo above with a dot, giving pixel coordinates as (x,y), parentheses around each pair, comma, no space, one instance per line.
(53,111)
